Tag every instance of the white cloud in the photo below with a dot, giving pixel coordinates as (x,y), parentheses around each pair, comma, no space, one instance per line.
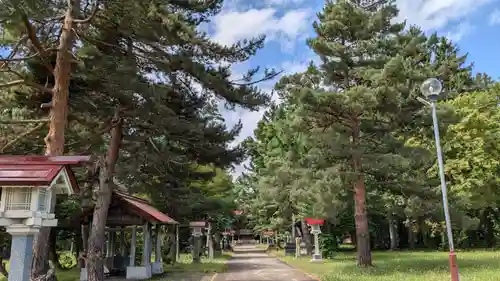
(495,17)
(284,2)
(232,26)
(460,31)
(238,23)
(437,14)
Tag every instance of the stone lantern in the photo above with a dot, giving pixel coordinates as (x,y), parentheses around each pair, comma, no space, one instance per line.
(197,228)
(315,230)
(197,232)
(28,187)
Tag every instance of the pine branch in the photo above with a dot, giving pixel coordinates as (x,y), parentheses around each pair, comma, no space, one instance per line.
(36,43)
(91,16)
(27,83)
(21,136)
(265,78)
(11,58)
(14,51)
(26,121)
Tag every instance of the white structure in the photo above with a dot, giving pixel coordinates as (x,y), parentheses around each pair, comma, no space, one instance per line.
(30,206)
(316,231)
(197,232)
(28,186)
(197,228)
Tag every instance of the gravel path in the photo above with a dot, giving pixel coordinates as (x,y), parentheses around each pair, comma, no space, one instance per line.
(251,264)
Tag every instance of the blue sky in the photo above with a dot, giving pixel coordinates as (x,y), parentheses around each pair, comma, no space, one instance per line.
(473,24)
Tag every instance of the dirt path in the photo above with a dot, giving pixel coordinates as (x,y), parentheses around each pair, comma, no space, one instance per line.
(252,264)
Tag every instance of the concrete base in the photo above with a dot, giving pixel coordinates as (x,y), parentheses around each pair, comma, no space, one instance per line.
(83,274)
(157,268)
(317,258)
(139,272)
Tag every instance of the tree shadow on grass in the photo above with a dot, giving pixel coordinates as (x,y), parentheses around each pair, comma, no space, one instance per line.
(387,265)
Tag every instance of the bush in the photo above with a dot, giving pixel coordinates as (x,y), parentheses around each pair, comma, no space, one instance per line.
(67,260)
(329,245)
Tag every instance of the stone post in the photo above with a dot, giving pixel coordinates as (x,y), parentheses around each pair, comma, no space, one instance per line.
(297,247)
(21,255)
(196,249)
(210,244)
(132,246)
(317,253)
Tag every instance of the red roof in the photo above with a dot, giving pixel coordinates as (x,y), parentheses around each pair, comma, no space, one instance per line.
(43,160)
(145,209)
(32,175)
(312,221)
(36,170)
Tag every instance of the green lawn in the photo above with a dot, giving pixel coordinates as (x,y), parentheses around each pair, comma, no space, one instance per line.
(404,266)
(206,266)
(183,267)
(66,275)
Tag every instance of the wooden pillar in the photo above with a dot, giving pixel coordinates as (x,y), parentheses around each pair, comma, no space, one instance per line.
(158,243)
(108,245)
(85,245)
(177,250)
(146,256)
(132,246)
(112,249)
(122,243)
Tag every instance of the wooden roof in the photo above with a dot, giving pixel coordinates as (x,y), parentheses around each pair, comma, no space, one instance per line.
(37,171)
(128,210)
(145,209)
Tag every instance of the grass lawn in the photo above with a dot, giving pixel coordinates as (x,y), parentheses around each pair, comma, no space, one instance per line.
(67,275)
(404,266)
(262,246)
(206,266)
(183,267)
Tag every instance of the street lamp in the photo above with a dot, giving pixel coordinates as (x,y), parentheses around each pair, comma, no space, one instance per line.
(431,88)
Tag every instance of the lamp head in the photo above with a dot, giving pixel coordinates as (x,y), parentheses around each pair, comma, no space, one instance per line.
(431,88)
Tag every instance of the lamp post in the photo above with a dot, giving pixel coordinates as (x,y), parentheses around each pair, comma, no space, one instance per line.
(431,88)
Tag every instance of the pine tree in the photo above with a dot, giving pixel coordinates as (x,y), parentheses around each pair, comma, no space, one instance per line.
(358,101)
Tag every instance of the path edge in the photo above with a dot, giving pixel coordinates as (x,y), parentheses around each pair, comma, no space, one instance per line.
(310,275)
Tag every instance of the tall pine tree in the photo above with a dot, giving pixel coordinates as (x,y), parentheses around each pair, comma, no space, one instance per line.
(358,101)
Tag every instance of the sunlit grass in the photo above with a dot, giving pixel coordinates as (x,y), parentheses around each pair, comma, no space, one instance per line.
(206,266)
(183,267)
(404,266)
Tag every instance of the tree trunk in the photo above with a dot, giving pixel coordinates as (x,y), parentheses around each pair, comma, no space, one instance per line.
(54,141)
(53,250)
(95,262)
(364,255)
(84,236)
(393,233)
(3,271)
(411,234)
(306,237)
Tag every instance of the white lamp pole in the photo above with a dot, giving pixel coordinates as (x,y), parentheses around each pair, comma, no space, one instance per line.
(431,88)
